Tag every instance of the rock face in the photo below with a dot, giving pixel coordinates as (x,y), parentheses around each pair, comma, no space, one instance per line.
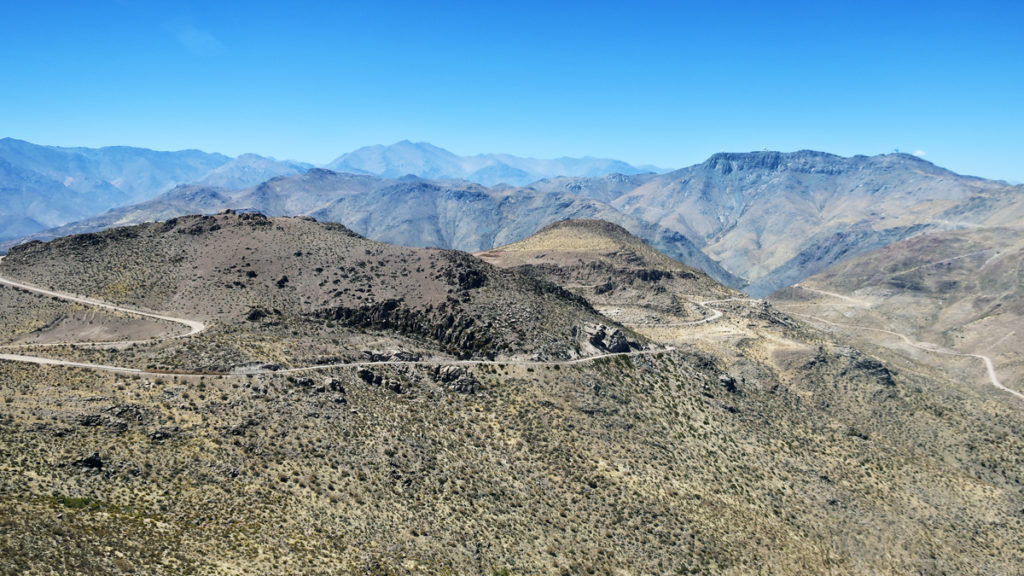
(614,342)
(775,218)
(457,379)
(92,462)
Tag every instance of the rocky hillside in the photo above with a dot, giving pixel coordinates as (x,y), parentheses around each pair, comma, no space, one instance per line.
(959,290)
(776,218)
(612,268)
(321,281)
(353,442)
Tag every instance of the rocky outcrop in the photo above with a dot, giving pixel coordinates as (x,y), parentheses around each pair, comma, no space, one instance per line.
(457,379)
(613,342)
(459,334)
(91,462)
(376,379)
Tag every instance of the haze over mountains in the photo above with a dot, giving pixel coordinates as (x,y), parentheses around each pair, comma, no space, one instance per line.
(46,186)
(428,161)
(757,221)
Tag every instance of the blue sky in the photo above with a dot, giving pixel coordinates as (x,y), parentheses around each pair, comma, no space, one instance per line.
(665,83)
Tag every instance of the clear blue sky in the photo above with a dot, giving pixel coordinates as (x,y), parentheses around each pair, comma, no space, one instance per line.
(666,83)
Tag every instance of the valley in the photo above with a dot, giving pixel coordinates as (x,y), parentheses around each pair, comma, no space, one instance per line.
(954,295)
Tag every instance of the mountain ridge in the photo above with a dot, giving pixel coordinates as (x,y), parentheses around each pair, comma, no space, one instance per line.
(73,183)
(753,220)
(432,162)
(100,179)
(762,214)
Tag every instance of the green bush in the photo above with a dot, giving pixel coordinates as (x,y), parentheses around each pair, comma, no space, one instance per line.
(79,503)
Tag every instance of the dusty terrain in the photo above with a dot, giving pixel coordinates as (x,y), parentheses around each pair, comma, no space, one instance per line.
(735,441)
(951,298)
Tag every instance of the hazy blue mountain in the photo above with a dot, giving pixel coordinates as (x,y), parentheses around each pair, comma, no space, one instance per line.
(30,201)
(249,170)
(49,185)
(14,226)
(759,220)
(46,186)
(43,187)
(134,172)
(428,161)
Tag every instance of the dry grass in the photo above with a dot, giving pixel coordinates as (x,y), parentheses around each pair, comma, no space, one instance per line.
(757,445)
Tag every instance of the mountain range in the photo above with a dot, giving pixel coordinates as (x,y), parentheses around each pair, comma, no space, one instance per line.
(757,221)
(428,161)
(775,218)
(408,211)
(46,186)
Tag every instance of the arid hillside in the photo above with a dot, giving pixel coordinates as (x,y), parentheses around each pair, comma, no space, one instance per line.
(959,291)
(617,272)
(309,290)
(352,407)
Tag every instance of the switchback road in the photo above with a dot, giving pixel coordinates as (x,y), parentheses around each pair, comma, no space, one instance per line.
(195,327)
(927,346)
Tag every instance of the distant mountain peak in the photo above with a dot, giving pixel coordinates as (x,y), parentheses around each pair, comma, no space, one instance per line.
(426,160)
(770,160)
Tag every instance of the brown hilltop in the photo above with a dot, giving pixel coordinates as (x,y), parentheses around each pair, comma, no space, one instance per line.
(570,241)
(612,268)
(248,272)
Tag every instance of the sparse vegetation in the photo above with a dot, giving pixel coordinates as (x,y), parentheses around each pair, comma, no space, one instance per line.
(756,444)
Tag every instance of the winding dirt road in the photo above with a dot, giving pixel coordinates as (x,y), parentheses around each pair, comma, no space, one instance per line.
(853,301)
(714,316)
(927,346)
(195,327)
(359,364)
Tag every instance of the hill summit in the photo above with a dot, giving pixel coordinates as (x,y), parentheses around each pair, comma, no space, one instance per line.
(261,278)
(613,269)
(592,240)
